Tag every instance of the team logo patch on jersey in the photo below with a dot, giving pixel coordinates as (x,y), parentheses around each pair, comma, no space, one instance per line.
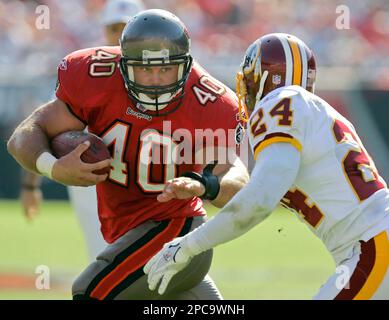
(239,133)
(139,115)
(63,65)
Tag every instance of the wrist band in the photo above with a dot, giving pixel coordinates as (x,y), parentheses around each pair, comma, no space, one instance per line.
(210,181)
(45,163)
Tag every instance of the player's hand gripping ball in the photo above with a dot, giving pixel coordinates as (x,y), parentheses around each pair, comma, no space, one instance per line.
(66,142)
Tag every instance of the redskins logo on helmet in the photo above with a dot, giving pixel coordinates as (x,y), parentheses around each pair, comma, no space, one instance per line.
(273,61)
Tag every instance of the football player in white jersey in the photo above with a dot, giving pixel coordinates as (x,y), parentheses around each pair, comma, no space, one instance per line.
(310,159)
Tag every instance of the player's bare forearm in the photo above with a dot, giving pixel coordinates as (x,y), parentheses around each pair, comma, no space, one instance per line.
(31,137)
(232,179)
(273,175)
(27,142)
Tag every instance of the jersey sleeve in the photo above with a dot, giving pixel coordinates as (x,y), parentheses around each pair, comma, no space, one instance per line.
(225,116)
(217,107)
(280,119)
(72,72)
(218,130)
(222,117)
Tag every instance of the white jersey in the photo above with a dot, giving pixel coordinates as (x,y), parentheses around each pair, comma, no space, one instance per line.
(338,191)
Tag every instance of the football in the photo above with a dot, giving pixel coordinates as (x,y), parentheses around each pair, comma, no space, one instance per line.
(66,142)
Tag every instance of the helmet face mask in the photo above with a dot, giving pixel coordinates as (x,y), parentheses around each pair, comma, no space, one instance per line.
(155,38)
(249,79)
(164,94)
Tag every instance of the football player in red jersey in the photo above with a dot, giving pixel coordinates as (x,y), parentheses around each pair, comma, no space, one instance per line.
(155,108)
(115,15)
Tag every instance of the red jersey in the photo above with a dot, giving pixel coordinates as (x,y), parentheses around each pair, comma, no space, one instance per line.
(90,83)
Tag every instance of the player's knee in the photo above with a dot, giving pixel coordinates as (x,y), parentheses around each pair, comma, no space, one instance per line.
(81,286)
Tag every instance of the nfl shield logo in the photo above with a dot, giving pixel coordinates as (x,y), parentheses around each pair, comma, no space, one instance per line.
(239,132)
(276,79)
(63,65)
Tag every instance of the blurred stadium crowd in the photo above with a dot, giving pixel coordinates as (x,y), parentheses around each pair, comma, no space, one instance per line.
(220,31)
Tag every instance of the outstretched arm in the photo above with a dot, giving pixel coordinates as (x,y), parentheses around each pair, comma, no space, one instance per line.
(232,176)
(231,173)
(274,173)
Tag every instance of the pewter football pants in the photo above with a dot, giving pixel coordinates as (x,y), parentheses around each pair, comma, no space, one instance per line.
(117,272)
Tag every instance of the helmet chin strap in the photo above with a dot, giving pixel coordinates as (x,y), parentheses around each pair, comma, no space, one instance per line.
(163,99)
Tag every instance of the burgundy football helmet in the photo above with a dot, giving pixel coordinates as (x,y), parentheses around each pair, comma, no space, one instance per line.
(273,61)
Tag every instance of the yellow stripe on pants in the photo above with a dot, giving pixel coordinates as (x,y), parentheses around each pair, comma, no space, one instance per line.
(379,270)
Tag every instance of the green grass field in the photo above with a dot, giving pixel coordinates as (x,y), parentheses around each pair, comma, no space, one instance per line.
(279,259)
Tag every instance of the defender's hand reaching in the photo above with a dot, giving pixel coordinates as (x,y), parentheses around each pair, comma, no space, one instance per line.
(166,263)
